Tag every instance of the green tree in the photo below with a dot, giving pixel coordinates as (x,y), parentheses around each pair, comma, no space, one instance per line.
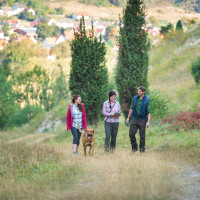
(89,75)
(166,29)
(34,88)
(195,70)
(6,28)
(6,97)
(44,30)
(132,66)
(60,87)
(27,16)
(179,26)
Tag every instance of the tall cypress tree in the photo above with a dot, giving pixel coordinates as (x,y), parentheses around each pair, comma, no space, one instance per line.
(179,26)
(89,75)
(132,67)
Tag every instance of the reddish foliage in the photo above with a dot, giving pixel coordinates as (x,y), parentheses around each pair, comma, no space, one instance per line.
(185,120)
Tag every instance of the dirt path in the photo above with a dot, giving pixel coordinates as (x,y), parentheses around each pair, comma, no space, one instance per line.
(35,138)
(190,179)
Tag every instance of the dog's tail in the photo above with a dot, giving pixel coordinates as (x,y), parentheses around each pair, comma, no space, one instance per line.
(80,129)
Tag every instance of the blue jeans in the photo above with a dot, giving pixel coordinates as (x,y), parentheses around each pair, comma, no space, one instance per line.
(76,135)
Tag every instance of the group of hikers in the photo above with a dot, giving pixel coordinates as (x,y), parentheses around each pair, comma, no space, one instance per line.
(140,114)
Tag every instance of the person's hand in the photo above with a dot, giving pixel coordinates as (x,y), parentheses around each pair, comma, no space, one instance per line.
(112,114)
(127,120)
(68,131)
(147,124)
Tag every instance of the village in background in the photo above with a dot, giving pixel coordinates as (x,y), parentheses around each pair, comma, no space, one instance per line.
(14,28)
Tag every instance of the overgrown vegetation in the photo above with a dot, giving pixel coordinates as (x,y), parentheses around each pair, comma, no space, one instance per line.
(170,70)
(184,120)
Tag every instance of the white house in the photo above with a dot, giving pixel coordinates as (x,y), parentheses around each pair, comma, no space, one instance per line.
(60,39)
(1,12)
(33,39)
(7,11)
(2,24)
(100,31)
(78,16)
(30,10)
(53,41)
(1,34)
(65,23)
(51,22)
(18,7)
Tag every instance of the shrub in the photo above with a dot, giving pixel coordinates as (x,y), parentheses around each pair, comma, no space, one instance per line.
(159,104)
(22,116)
(195,70)
(185,120)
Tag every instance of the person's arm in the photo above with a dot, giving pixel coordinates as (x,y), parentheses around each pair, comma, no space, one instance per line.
(148,122)
(68,119)
(129,114)
(149,113)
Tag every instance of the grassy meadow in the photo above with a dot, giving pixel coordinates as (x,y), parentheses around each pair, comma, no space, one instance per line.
(48,170)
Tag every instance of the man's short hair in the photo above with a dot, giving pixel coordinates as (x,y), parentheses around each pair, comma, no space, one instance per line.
(142,88)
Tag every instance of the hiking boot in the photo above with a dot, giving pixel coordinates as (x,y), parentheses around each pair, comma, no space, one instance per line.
(133,151)
(75,153)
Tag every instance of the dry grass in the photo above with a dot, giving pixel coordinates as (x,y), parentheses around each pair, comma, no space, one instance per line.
(161,12)
(118,176)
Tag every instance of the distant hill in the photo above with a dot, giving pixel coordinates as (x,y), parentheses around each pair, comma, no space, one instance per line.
(170,64)
(163,12)
(192,5)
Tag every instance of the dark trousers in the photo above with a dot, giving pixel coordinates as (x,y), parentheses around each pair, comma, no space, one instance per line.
(111,130)
(76,135)
(134,126)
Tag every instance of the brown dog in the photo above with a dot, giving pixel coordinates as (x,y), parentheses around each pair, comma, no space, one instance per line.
(88,139)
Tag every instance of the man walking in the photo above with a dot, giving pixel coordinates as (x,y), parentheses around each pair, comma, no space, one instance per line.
(140,111)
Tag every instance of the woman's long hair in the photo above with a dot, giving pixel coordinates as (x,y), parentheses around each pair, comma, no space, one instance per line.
(75,97)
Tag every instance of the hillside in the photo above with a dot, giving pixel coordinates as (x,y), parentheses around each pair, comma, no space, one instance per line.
(170,68)
(162,12)
(190,5)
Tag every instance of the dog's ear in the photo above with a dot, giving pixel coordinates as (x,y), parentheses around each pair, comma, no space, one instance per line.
(93,131)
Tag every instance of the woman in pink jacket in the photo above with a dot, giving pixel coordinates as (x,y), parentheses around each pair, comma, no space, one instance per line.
(76,116)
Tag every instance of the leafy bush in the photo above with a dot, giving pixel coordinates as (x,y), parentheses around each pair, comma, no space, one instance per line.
(159,104)
(186,120)
(22,116)
(195,70)
(166,29)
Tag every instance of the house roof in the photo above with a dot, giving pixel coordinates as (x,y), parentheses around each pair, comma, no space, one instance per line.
(2,23)
(81,14)
(65,21)
(3,43)
(6,9)
(19,5)
(12,21)
(69,35)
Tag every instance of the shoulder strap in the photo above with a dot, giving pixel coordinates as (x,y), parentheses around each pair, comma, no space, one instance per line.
(111,110)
